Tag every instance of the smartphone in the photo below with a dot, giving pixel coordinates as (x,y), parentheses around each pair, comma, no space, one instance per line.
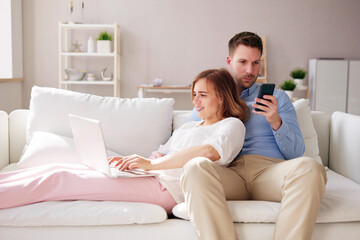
(265,89)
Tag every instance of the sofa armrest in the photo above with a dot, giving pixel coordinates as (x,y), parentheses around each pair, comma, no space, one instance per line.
(17,133)
(4,139)
(344,156)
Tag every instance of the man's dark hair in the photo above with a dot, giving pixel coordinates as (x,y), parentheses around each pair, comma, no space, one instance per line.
(248,39)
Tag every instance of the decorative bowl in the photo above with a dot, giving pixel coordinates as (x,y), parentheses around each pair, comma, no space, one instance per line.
(74,75)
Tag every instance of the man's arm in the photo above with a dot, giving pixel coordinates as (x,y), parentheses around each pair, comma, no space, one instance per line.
(287,132)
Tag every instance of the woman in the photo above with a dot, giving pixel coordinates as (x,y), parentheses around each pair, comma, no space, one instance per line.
(219,137)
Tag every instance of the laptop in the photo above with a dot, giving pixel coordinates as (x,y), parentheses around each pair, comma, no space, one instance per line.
(91,151)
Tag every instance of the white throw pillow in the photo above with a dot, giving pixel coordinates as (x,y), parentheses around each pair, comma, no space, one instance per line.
(303,113)
(130,126)
(49,148)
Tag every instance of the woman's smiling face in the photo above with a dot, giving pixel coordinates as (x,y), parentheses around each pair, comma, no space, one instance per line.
(206,101)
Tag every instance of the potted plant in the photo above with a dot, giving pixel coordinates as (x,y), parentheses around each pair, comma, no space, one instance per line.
(288,86)
(103,43)
(298,74)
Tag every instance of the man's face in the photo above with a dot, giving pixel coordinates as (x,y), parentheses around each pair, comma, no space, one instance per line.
(245,65)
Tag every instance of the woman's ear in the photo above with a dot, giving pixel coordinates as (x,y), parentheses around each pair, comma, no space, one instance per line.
(221,99)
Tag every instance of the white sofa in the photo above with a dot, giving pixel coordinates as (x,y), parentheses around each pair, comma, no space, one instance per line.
(339,144)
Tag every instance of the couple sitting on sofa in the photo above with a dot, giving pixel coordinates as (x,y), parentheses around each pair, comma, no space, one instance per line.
(205,150)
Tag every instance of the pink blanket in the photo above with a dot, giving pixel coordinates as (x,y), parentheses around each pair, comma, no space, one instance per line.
(76,182)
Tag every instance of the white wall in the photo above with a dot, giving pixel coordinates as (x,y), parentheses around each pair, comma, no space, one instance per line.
(175,40)
(10,96)
(5,40)
(11,61)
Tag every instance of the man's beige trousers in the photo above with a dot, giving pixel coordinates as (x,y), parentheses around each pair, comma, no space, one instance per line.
(298,184)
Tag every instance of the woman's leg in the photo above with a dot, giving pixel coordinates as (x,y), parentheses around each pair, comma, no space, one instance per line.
(49,183)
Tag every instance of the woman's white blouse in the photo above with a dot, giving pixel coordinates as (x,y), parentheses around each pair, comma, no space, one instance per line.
(226,136)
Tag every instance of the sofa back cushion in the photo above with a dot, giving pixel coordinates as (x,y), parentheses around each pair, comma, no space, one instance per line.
(344,157)
(18,120)
(310,137)
(321,123)
(129,125)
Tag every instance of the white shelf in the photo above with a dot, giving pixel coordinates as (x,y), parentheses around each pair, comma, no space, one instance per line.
(66,34)
(85,82)
(164,89)
(85,54)
(86,26)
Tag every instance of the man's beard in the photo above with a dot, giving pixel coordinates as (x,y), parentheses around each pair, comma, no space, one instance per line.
(240,80)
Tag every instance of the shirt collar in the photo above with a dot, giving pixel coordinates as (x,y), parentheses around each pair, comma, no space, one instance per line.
(247,92)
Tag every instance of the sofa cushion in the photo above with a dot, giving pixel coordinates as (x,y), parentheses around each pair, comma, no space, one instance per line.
(303,114)
(82,213)
(129,125)
(344,156)
(340,204)
(180,117)
(47,148)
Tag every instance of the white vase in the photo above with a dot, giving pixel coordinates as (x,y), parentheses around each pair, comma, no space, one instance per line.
(103,46)
(300,84)
(289,93)
(91,45)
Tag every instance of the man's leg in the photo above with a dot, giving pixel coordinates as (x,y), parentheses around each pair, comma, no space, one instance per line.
(206,187)
(298,183)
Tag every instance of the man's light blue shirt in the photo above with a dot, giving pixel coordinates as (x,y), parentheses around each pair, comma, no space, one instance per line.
(285,143)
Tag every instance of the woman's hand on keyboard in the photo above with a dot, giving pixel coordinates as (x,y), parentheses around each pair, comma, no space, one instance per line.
(130,162)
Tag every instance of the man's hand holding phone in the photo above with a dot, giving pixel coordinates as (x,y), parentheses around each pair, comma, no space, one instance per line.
(266,105)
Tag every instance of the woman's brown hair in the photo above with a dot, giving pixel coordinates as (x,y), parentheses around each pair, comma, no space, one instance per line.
(227,90)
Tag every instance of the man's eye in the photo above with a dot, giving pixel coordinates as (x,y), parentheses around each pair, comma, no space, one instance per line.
(202,95)
(256,63)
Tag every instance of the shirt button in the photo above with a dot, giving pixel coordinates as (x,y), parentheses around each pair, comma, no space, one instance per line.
(277,135)
(284,149)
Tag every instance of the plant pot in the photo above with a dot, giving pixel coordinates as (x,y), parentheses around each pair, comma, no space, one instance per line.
(300,84)
(289,93)
(104,46)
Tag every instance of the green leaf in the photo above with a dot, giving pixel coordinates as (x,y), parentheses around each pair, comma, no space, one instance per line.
(104,36)
(298,73)
(288,85)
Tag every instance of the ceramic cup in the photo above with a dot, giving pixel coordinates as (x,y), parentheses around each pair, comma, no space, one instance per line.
(91,77)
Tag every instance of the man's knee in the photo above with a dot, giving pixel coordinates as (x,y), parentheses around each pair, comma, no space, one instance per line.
(313,170)
(196,165)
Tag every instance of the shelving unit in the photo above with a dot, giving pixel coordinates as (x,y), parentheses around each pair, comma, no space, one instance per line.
(142,90)
(263,73)
(65,54)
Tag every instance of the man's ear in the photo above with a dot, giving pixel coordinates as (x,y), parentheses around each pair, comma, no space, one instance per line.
(228,61)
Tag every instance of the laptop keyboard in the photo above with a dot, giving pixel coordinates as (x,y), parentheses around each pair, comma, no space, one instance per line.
(130,173)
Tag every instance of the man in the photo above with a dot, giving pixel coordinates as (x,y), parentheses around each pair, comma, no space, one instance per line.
(261,171)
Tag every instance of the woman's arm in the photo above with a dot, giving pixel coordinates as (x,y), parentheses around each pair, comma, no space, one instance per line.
(155,155)
(175,160)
